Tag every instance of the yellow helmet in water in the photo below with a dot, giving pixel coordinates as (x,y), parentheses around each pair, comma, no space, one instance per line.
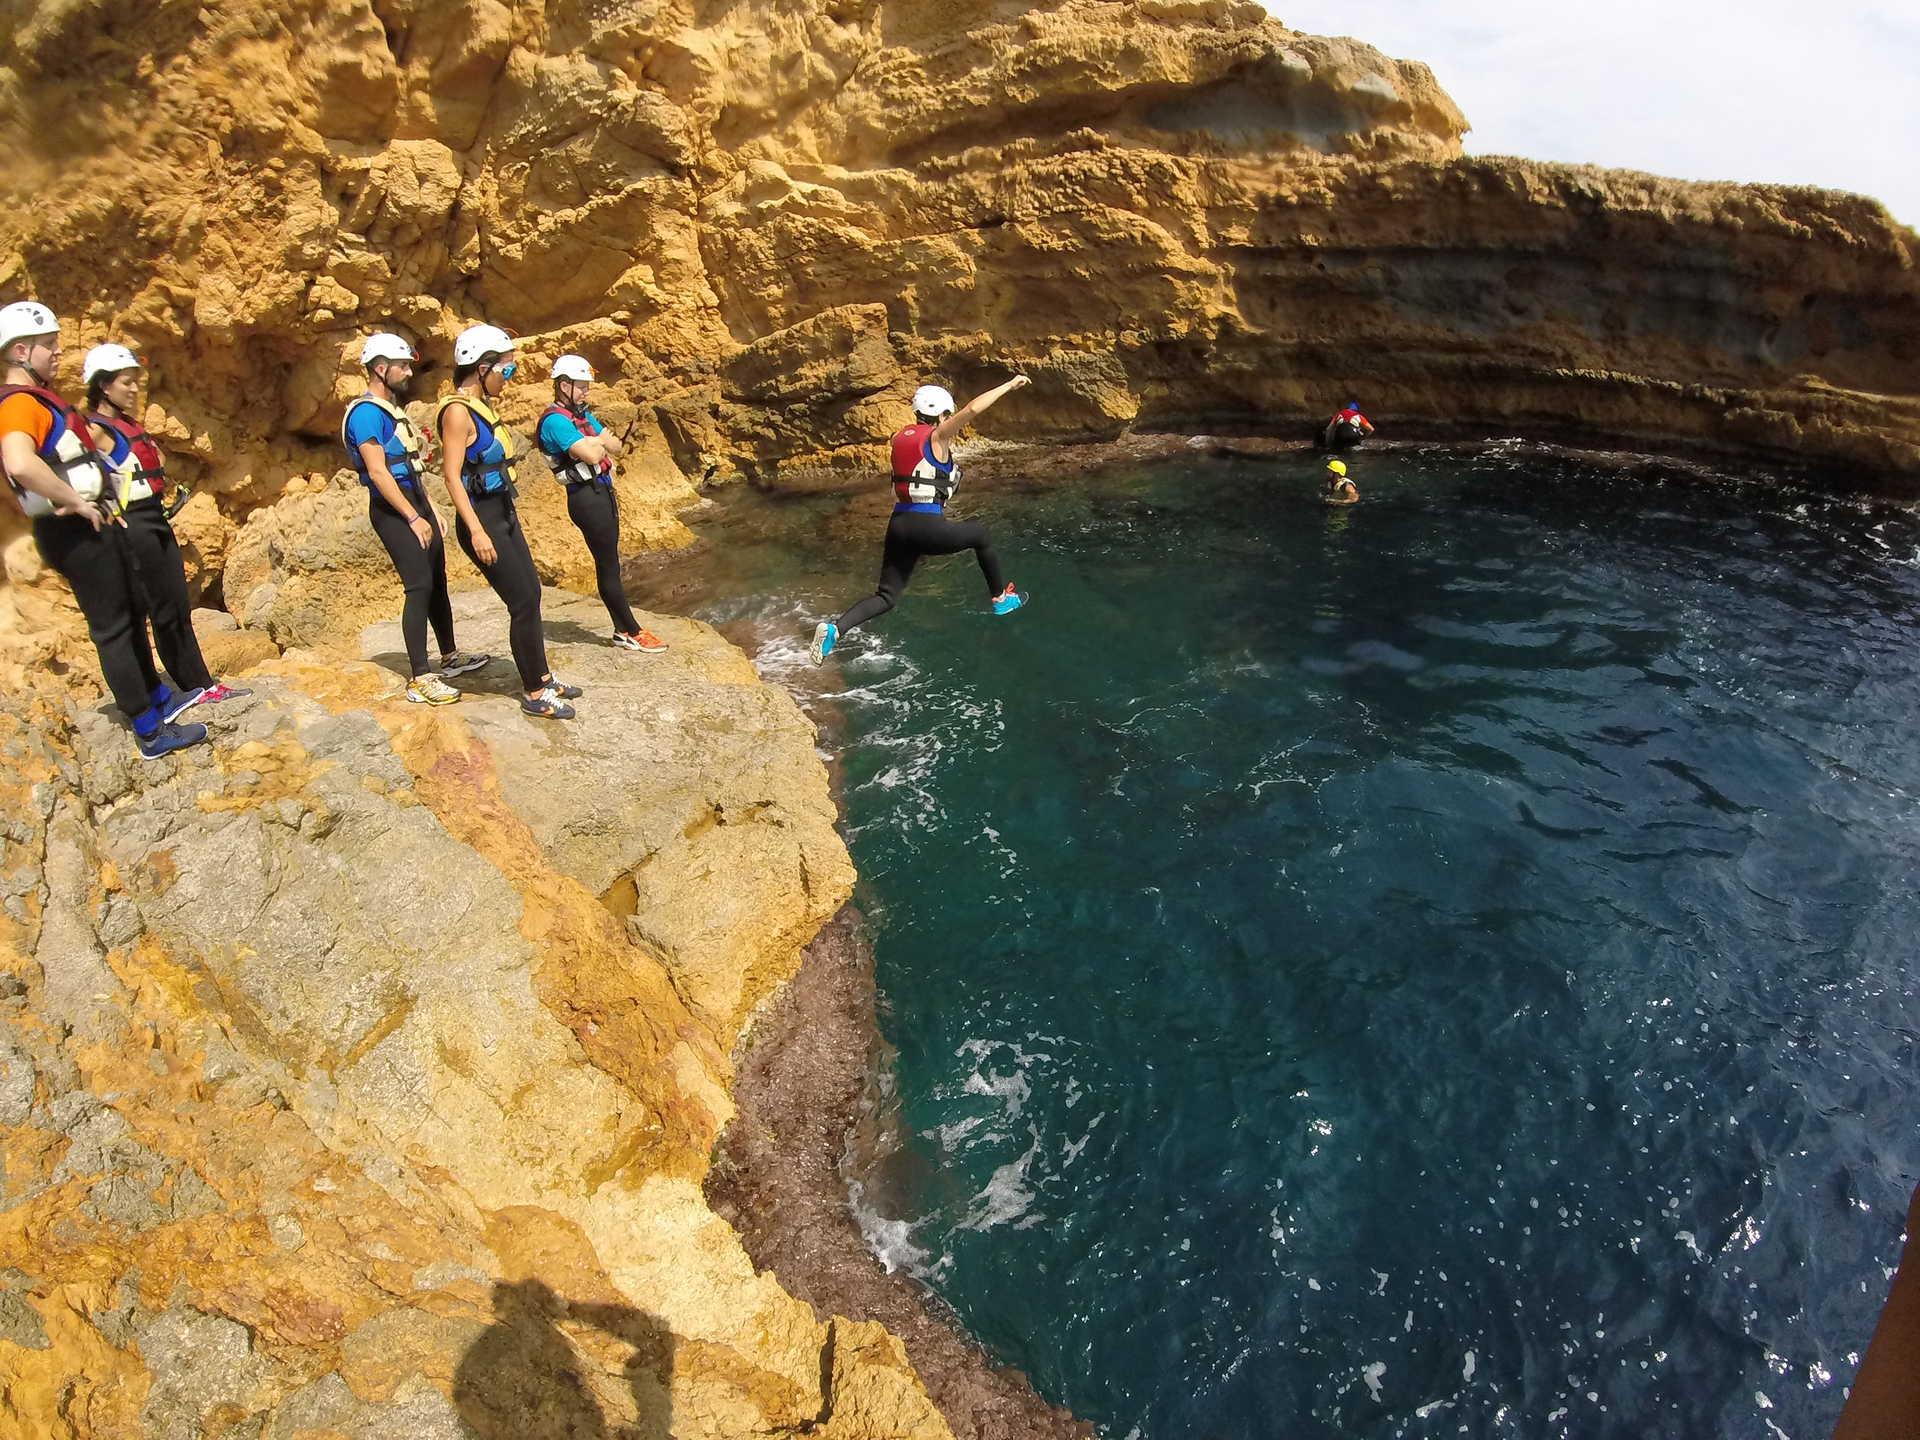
(1336,467)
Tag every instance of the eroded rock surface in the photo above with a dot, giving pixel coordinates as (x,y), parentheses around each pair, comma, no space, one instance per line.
(766,223)
(334,1100)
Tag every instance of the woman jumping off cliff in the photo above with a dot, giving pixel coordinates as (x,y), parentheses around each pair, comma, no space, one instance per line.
(924,479)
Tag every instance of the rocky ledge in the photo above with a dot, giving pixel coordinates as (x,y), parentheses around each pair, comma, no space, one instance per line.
(361,1070)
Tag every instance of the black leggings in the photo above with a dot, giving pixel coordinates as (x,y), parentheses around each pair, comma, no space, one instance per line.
(514,580)
(99,567)
(595,510)
(422,572)
(163,582)
(911,535)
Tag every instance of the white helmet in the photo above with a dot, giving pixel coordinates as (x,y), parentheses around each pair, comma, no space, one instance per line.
(932,400)
(476,342)
(25,319)
(572,367)
(386,346)
(108,360)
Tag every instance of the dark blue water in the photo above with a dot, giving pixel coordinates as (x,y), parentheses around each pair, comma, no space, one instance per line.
(1442,967)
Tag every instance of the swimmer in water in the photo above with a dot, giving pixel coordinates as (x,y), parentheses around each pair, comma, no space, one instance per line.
(1339,490)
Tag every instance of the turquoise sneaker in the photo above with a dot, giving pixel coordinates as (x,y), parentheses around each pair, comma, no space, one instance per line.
(825,636)
(1008,601)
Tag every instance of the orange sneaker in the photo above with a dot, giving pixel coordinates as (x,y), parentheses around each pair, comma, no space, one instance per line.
(642,640)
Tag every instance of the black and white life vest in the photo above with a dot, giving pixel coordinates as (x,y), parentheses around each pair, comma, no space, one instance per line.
(919,478)
(142,473)
(68,450)
(566,469)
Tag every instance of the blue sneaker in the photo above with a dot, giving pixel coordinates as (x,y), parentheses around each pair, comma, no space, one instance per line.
(178,703)
(1008,601)
(169,738)
(825,636)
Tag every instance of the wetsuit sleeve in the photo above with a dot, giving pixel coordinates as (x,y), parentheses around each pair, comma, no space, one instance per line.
(368,422)
(23,412)
(559,434)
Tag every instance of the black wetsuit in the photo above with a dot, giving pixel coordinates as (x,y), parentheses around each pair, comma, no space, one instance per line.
(914,532)
(513,579)
(163,582)
(596,510)
(99,565)
(423,571)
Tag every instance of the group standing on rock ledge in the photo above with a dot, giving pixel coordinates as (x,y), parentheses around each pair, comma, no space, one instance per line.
(478,460)
(95,488)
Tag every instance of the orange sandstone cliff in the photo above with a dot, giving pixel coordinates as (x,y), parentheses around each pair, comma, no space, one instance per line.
(768,221)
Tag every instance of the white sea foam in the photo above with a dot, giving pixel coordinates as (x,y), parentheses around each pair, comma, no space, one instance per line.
(1371,1374)
(1006,1197)
(890,1240)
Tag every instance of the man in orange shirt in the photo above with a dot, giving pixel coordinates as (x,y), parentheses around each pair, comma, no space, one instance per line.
(60,482)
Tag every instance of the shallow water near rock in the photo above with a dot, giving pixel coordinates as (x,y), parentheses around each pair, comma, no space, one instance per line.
(1444,966)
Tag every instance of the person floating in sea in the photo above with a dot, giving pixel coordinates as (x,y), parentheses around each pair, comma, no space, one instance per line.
(138,473)
(925,477)
(582,451)
(477,460)
(1337,489)
(60,481)
(386,450)
(1346,429)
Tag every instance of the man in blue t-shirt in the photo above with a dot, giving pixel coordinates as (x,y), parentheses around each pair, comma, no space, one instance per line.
(386,449)
(581,453)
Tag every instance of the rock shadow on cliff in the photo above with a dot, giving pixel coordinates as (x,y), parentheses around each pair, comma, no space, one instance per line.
(549,1368)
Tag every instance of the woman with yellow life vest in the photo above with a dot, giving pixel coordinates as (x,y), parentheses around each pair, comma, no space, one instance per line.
(477,460)
(138,471)
(386,450)
(60,480)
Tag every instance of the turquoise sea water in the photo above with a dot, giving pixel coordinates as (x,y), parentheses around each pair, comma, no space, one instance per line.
(1446,966)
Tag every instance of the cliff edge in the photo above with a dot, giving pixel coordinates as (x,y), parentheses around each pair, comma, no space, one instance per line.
(335,1100)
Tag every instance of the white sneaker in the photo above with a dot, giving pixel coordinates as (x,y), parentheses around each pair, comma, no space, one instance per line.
(431,690)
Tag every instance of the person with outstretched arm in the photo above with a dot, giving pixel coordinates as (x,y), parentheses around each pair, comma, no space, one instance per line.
(138,470)
(925,477)
(60,481)
(386,450)
(477,460)
(581,452)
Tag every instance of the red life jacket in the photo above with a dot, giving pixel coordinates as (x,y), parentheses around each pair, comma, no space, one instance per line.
(150,468)
(918,478)
(68,450)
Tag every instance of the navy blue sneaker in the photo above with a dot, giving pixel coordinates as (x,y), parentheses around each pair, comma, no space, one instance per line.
(176,705)
(169,738)
(1008,601)
(825,636)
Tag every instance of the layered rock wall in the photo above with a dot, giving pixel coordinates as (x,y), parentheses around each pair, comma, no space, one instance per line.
(768,221)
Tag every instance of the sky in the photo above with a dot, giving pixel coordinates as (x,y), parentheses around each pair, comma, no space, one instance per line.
(1755,90)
